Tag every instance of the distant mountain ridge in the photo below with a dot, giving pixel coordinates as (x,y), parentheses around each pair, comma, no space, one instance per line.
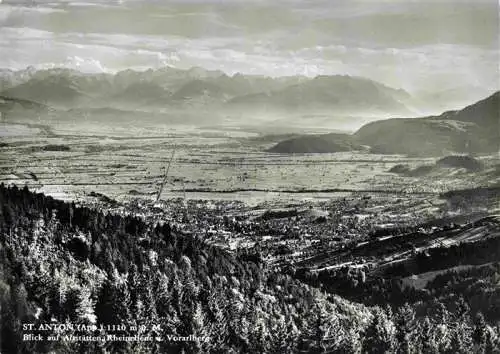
(330,92)
(8,104)
(168,86)
(473,129)
(53,89)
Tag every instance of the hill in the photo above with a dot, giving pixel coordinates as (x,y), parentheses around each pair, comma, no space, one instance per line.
(443,165)
(474,129)
(457,161)
(316,144)
(485,113)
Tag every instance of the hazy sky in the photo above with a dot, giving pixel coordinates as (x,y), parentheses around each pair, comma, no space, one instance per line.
(416,45)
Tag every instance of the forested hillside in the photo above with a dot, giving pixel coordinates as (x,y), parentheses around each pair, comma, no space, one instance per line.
(61,263)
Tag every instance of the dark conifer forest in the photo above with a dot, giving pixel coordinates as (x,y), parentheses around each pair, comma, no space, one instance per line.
(62,263)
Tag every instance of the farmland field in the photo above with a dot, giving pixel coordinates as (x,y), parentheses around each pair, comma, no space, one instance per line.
(206,164)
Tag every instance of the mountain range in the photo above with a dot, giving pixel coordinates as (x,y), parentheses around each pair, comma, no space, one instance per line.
(8,104)
(164,88)
(342,93)
(473,129)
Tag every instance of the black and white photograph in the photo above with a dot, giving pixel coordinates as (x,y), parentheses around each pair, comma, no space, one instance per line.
(249,176)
